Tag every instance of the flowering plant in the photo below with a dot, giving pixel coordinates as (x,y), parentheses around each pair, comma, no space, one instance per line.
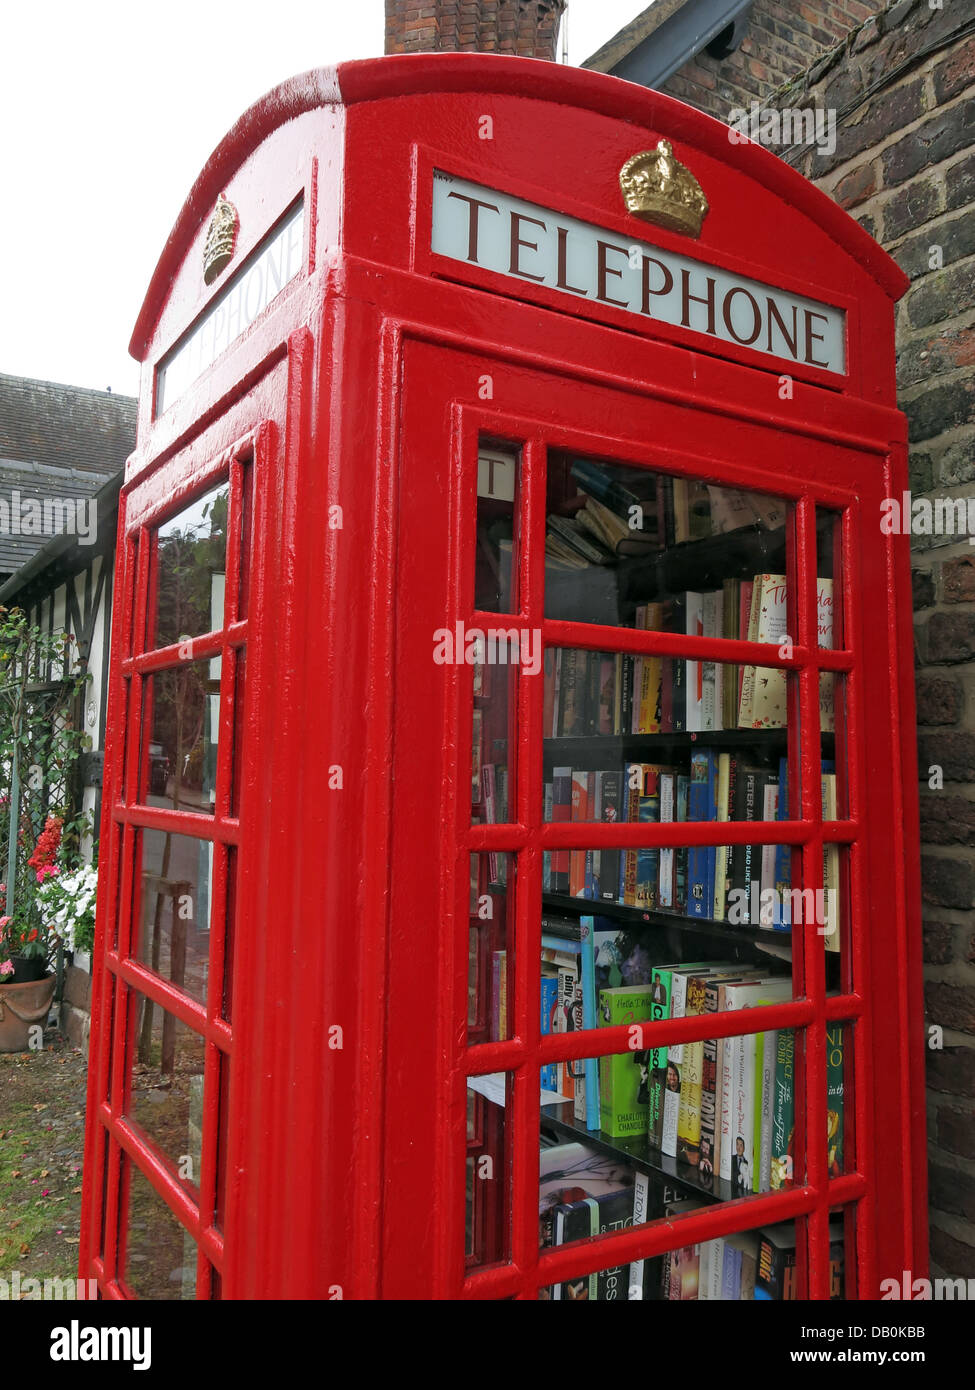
(66,902)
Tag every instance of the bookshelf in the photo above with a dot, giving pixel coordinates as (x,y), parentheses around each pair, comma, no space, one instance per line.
(653,738)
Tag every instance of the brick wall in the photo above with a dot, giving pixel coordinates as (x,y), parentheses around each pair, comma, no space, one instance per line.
(782,38)
(523,28)
(904,166)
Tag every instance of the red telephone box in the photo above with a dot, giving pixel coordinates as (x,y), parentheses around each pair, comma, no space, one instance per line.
(509,856)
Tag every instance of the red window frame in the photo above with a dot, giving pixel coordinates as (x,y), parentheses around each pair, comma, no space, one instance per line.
(118,1142)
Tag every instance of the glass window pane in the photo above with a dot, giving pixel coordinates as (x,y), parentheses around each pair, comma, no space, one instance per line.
(488,1171)
(176,874)
(192,562)
(491,940)
(492,767)
(167,1085)
(182,750)
(631,547)
(495,567)
(160,1260)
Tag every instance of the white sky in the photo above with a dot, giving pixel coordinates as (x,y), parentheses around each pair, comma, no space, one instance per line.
(108,111)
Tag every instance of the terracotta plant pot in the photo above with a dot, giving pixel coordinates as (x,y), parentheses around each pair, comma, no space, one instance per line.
(21,1008)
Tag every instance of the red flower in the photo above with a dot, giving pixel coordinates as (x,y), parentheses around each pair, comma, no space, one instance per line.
(33,934)
(48,843)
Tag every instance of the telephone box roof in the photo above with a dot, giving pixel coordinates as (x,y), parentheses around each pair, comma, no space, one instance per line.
(385,79)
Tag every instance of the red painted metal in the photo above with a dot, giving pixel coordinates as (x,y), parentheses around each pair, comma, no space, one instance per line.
(346,418)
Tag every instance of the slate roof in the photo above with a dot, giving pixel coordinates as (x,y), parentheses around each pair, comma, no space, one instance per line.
(56,442)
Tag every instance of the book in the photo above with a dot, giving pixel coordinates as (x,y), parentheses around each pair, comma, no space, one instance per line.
(565,1018)
(659,1009)
(738,1082)
(781,1167)
(624,1083)
(721,854)
(710,1156)
(775,1275)
(561,812)
(549,1006)
(609,810)
(831,869)
(763,701)
(594,1216)
(765,1047)
(702,806)
(731,1271)
(770,809)
(694,677)
(572,694)
(689,1104)
(583,800)
(712,672)
(632,787)
(641,1207)
(648,860)
(590,1017)
(680,857)
(666,881)
(834,1099)
(745,1248)
(499,996)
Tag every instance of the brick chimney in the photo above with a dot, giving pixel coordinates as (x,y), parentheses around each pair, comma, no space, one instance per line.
(522,28)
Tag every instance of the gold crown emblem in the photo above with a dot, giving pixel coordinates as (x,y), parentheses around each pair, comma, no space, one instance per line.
(661,190)
(218,249)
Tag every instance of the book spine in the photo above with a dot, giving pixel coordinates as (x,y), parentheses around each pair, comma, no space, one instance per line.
(626,694)
(770,812)
(641,1206)
(581,811)
(681,856)
(549,1005)
(561,811)
(579,1065)
(593,691)
(590,1019)
(660,1000)
(721,851)
(834,1099)
(572,693)
(782,911)
(726,1144)
(744,1161)
(689,1109)
(648,860)
(551,654)
(565,1019)
(783,1112)
(499,996)
(701,858)
(634,788)
(710,1094)
(741,857)
(675,1063)
(665,890)
(763,1150)
(610,809)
